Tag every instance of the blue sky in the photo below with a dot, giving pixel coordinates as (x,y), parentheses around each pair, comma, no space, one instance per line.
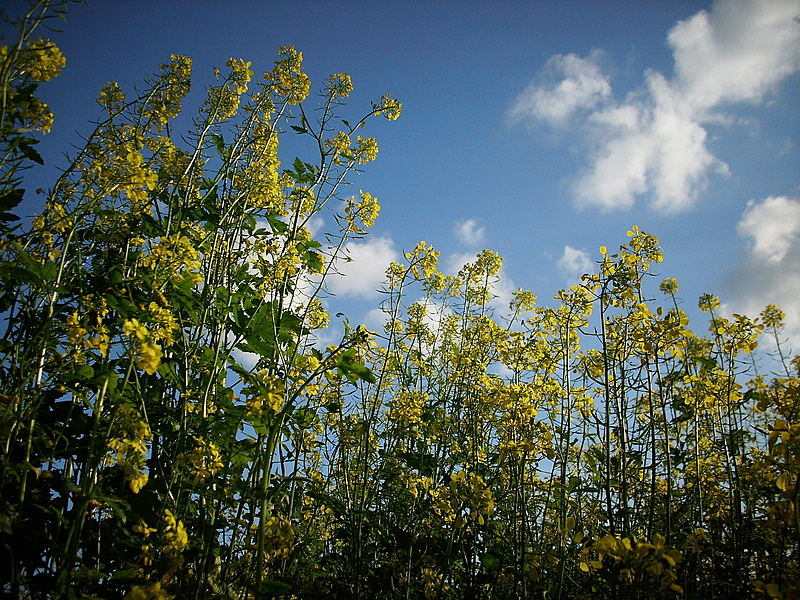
(540,129)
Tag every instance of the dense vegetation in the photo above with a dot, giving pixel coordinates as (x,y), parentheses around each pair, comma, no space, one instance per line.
(171,427)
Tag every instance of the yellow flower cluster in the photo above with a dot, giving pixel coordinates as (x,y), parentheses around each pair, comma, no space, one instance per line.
(424,261)
(36,114)
(162,324)
(366,150)
(241,73)
(414,483)
(523,301)
(42,60)
(467,495)
(316,317)
(223,100)
(148,357)
(431,578)
(128,448)
(111,97)
(361,214)
(205,460)
(339,144)
(140,179)
(645,246)
(669,286)
(174,83)
(96,337)
(280,538)
(149,591)
(708,303)
(259,180)
(172,257)
(773,316)
(635,559)
(272,398)
(406,408)
(175,537)
(339,86)
(288,78)
(389,108)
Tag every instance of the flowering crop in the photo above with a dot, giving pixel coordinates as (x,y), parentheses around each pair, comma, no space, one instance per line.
(172,427)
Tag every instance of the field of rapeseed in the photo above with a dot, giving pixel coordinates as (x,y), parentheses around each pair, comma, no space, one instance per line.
(170,427)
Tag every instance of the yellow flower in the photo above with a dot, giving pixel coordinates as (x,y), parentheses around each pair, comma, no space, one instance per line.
(133,328)
(240,74)
(75,332)
(773,316)
(389,108)
(152,591)
(669,286)
(149,357)
(339,85)
(365,211)
(288,78)
(708,302)
(205,460)
(340,144)
(367,150)
(45,60)
(163,323)
(174,534)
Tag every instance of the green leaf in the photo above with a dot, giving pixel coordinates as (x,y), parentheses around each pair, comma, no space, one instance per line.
(352,370)
(79,373)
(219,144)
(30,153)
(10,199)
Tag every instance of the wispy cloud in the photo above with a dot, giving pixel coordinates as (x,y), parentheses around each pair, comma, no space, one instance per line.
(469,234)
(653,143)
(574,263)
(770,274)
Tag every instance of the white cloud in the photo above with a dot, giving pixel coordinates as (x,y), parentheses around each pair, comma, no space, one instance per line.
(737,52)
(315,225)
(653,144)
(582,86)
(773,225)
(455,262)
(374,320)
(469,234)
(771,272)
(502,292)
(363,274)
(574,263)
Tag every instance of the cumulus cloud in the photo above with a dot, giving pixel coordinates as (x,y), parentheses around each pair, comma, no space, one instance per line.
(773,226)
(770,274)
(574,263)
(469,234)
(362,275)
(653,144)
(455,262)
(737,52)
(581,85)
